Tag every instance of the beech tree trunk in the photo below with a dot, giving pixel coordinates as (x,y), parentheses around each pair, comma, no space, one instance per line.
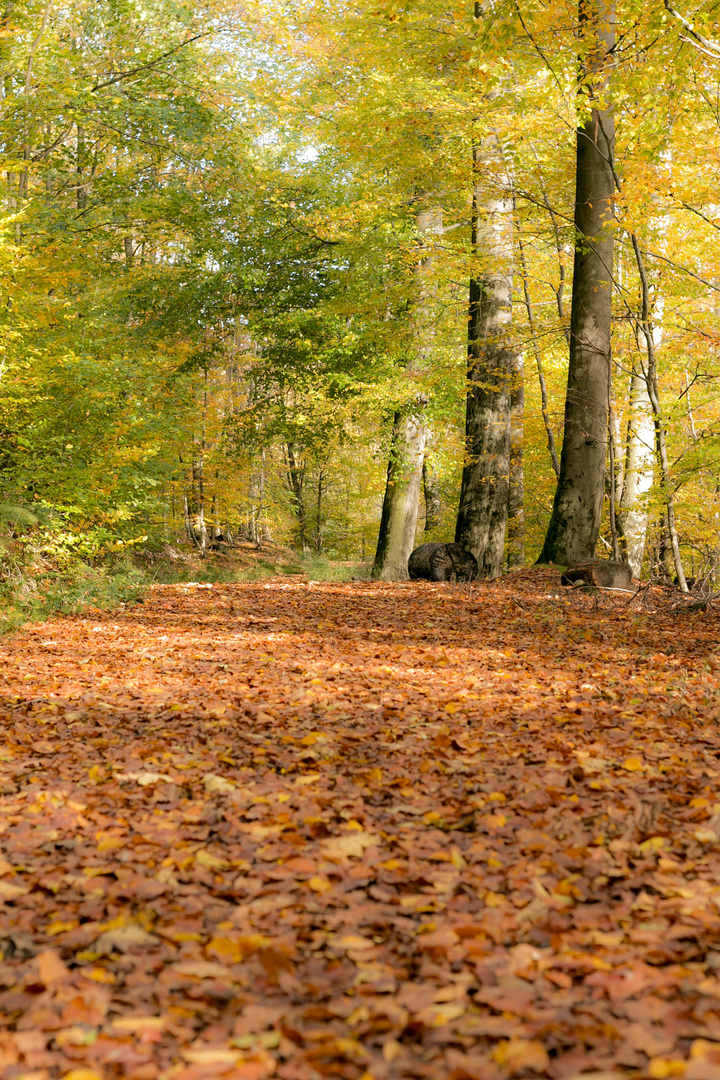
(296,482)
(396,537)
(483,512)
(431,486)
(398,523)
(577,508)
(645,327)
(516,492)
(639,470)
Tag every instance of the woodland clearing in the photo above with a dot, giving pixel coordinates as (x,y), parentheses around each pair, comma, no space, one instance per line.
(296,829)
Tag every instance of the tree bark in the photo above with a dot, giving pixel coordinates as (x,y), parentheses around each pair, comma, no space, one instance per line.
(396,536)
(538,358)
(645,327)
(482,515)
(431,486)
(516,491)
(577,508)
(639,470)
(398,523)
(296,480)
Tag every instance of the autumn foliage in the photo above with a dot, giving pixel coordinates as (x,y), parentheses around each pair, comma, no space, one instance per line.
(304,830)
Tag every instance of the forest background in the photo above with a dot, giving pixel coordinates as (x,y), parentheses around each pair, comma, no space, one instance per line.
(237,247)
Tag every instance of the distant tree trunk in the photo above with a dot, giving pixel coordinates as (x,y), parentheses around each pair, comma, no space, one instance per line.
(396,536)
(319,513)
(216,527)
(296,480)
(433,502)
(482,515)
(646,328)
(516,491)
(639,471)
(398,523)
(536,349)
(577,509)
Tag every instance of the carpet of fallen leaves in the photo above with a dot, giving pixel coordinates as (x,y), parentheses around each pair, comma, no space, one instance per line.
(362,830)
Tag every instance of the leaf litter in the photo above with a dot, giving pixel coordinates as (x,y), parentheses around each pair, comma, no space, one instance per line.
(303,830)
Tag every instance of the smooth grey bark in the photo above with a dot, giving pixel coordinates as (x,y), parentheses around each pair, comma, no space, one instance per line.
(398,522)
(319,523)
(516,491)
(549,434)
(483,511)
(296,483)
(396,538)
(645,326)
(431,487)
(577,507)
(639,471)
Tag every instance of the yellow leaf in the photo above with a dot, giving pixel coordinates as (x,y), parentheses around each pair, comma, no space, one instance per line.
(137,1025)
(319,884)
(456,858)
(663,1068)
(655,843)
(633,764)
(702,1050)
(109,843)
(213,1056)
(99,975)
(82,1074)
(59,927)
(209,861)
(706,836)
(232,950)
(307,779)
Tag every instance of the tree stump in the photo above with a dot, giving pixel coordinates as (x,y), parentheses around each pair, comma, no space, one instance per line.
(442,562)
(601,573)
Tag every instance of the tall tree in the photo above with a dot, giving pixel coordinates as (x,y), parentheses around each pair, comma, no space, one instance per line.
(398,523)
(576,514)
(483,512)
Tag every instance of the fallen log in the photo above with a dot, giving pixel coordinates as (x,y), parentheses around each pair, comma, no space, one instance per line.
(600,573)
(442,562)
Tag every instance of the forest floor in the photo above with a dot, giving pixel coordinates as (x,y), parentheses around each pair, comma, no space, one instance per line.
(361,830)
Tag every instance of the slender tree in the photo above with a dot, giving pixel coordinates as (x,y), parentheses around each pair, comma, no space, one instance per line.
(398,523)
(575,520)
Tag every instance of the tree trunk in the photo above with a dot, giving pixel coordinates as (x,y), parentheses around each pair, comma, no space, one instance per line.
(431,487)
(577,509)
(296,480)
(639,469)
(398,523)
(319,513)
(482,516)
(516,492)
(645,327)
(538,357)
(396,536)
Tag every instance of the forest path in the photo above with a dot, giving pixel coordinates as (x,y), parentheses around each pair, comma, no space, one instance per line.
(367,830)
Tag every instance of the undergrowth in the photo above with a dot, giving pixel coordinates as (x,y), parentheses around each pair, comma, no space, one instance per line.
(33,591)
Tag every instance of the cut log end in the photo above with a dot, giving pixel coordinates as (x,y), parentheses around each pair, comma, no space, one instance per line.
(442,562)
